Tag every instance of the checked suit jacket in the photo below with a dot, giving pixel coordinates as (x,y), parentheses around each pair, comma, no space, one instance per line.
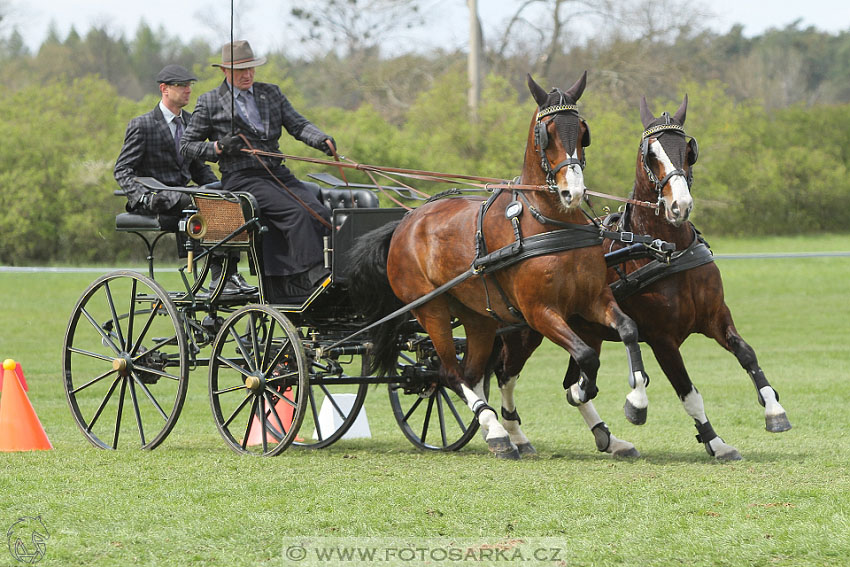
(211,121)
(149,151)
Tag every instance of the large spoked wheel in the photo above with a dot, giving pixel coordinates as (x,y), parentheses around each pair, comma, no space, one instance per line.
(125,361)
(431,416)
(258,381)
(334,404)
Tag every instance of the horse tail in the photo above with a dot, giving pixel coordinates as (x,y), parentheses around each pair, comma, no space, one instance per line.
(370,290)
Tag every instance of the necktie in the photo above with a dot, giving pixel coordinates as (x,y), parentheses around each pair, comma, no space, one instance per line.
(249,110)
(178,133)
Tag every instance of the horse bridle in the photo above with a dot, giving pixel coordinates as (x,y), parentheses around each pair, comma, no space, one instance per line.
(541,141)
(644,152)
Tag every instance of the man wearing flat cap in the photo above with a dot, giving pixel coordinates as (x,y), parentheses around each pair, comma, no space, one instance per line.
(151,149)
(295,218)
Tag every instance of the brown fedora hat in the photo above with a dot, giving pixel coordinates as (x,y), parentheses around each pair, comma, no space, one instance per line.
(243,56)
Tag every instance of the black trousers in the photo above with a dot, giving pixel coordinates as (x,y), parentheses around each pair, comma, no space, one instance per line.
(293,243)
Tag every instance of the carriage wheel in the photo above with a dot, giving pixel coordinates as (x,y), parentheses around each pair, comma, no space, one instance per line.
(125,361)
(258,381)
(432,417)
(333,408)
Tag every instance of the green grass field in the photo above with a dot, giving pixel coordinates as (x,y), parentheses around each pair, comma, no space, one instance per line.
(194,501)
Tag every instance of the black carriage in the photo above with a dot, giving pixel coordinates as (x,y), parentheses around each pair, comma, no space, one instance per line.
(279,374)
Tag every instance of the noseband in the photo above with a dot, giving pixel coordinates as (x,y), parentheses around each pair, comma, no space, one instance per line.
(541,142)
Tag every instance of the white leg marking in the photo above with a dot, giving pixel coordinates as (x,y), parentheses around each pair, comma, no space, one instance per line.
(512,427)
(487,418)
(771,404)
(637,397)
(591,418)
(693,404)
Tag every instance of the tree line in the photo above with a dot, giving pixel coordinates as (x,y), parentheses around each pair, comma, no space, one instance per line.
(770,114)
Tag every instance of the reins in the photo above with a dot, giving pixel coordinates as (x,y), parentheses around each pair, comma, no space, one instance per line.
(477,183)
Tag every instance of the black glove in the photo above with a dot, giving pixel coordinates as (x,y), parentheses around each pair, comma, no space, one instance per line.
(326,148)
(230,145)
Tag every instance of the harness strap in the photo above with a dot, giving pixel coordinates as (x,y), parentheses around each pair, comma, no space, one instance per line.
(695,255)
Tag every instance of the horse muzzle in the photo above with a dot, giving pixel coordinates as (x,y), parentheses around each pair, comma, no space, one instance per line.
(571,189)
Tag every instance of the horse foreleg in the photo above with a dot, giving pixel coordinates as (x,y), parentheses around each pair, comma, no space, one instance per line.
(670,360)
(511,420)
(612,316)
(605,440)
(775,419)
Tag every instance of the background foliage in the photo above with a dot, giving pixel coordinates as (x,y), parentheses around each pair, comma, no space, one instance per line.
(771,114)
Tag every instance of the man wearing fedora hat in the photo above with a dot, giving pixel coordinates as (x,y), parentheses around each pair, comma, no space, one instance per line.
(296,219)
(151,149)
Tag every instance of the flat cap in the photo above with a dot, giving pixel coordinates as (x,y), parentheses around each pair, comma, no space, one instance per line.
(174,74)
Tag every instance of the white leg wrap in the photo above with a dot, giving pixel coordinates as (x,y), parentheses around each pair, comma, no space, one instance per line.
(694,406)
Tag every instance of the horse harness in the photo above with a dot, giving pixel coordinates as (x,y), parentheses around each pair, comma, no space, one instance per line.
(696,254)
(569,236)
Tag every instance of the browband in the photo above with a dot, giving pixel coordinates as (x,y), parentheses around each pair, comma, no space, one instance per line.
(660,128)
(556,109)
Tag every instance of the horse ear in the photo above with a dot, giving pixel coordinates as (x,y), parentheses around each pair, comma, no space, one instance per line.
(574,92)
(680,114)
(537,92)
(646,116)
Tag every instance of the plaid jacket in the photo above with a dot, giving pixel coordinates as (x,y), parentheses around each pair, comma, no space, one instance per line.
(212,121)
(149,151)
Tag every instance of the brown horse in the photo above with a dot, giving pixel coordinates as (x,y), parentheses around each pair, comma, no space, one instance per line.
(436,244)
(668,303)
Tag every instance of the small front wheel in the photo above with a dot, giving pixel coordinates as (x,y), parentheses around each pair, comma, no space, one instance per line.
(258,381)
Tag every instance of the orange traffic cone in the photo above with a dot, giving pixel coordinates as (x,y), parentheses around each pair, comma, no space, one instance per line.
(20,429)
(19,371)
(284,412)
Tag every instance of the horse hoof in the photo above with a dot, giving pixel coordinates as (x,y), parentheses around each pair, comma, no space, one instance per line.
(627,453)
(731,455)
(777,423)
(526,451)
(575,398)
(636,416)
(503,448)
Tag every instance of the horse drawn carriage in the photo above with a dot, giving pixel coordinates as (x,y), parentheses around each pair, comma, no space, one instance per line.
(400,286)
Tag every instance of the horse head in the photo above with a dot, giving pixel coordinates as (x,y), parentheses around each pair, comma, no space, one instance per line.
(665,160)
(556,139)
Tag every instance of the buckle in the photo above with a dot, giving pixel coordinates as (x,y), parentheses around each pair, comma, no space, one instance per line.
(627,236)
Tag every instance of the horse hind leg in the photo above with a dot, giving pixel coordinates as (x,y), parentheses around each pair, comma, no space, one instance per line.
(511,420)
(670,360)
(775,418)
(606,442)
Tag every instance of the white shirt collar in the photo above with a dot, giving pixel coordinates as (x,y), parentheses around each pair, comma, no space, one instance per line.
(167,114)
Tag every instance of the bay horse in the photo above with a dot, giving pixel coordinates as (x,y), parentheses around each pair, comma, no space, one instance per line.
(668,303)
(434,245)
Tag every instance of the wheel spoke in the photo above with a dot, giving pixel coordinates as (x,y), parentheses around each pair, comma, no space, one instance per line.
(427,419)
(154,308)
(100,330)
(278,435)
(233,365)
(118,415)
(115,322)
(240,344)
(335,405)
(250,421)
(150,396)
(281,397)
(236,411)
(102,404)
(441,416)
(136,410)
(131,312)
(94,380)
(452,407)
(315,412)
(156,371)
(412,409)
(267,347)
(261,419)
(91,354)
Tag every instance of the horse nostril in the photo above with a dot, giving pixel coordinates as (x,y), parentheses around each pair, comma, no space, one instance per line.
(567,196)
(675,208)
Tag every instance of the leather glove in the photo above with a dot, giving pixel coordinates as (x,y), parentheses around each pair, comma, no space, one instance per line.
(230,145)
(145,201)
(326,148)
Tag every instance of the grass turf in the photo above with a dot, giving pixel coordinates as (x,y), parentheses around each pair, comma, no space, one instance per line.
(193,501)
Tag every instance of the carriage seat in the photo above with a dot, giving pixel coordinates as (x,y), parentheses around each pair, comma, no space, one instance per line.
(343,198)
